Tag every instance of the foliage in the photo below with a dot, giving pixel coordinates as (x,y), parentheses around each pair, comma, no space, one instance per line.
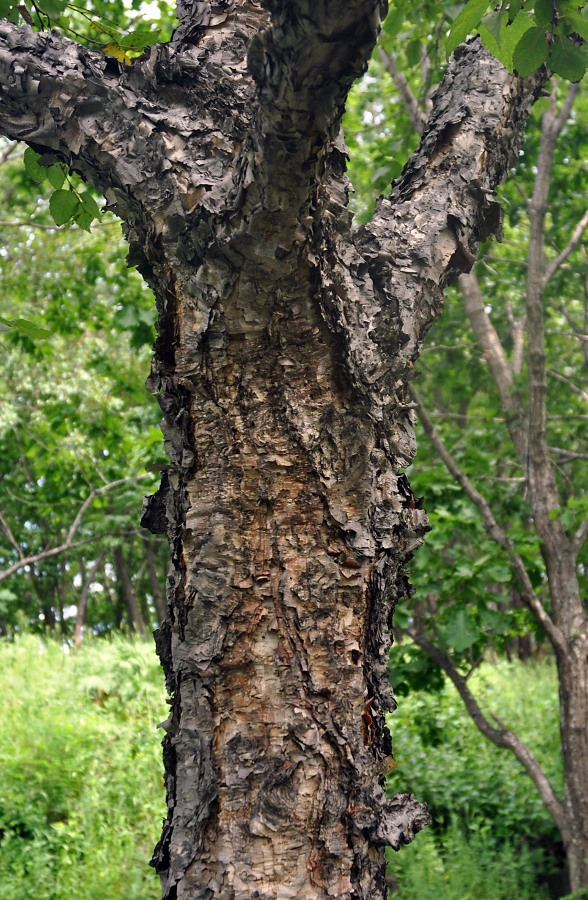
(465,867)
(443,759)
(119,28)
(62,429)
(81,795)
(524,35)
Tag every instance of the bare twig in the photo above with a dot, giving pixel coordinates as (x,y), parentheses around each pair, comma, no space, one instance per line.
(409,101)
(580,535)
(10,536)
(573,387)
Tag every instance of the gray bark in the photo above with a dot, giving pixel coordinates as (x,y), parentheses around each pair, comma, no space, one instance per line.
(282,364)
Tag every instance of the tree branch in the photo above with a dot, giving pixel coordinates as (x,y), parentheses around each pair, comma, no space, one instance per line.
(544,493)
(10,536)
(552,267)
(573,387)
(580,536)
(68,544)
(427,231)
(502,737)
(409,101)
(497,534)
(495,356)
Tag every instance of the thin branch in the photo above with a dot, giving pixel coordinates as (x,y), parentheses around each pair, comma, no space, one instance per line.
(31,225)
(10,536)
(502,737)
(68,543)
(409,101)
(53,227)
(580,535)
(8,152)
(573,387)
(497,534)
(568,454)
(552,267)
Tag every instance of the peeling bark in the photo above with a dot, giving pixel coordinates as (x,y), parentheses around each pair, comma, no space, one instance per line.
(284,352)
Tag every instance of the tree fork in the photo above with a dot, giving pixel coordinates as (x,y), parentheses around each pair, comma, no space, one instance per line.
(282,365)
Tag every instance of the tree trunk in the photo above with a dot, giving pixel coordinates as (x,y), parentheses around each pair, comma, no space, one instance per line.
(284,351)
(154,582)
(83,601)
(127,593)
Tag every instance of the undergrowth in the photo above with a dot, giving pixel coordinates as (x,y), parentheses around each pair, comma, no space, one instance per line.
(81,793)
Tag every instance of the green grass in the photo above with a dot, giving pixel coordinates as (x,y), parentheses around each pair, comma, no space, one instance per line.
(81,792)
(505,837)
(82,799)
(461,867)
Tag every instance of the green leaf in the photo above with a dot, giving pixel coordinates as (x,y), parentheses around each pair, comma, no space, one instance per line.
(53,8)
(493,22)
(574,22)
(567,59)
(510,36)
(530,52)
(89,205)
(554,513)
(413,52)
(513,10)
(5,8)
(56,175)
(544,12)
(459,632)
(63,206)
(144,37)
(34,170)
(466,21)
(393,21)
(29,329)
(84,220)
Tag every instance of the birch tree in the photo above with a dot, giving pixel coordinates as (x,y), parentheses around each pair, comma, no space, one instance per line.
(286,340)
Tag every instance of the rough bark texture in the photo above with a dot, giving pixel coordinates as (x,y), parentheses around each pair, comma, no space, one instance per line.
(282,364)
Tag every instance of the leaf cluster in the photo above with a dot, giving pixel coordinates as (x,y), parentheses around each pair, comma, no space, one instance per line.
(524,35)
(119,29)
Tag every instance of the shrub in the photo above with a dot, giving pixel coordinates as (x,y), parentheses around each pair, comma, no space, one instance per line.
(81,794)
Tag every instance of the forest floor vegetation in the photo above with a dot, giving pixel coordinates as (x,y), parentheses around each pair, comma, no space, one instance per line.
(82,798)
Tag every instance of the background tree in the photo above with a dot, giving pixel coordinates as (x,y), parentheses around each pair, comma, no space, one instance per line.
(282,366)
(77,429)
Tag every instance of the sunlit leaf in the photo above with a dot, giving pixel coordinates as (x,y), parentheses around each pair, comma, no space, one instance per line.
(530,52)
(466,21)
(115,50)
(62,206)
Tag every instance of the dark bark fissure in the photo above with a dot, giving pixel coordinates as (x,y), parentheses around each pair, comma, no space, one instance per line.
(284,350)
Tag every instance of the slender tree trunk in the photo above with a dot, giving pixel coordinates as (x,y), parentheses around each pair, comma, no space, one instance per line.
(285,346)
(83,601)
(154,582)
(126,591)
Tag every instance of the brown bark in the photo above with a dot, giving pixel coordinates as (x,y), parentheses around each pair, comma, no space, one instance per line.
(282,364)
